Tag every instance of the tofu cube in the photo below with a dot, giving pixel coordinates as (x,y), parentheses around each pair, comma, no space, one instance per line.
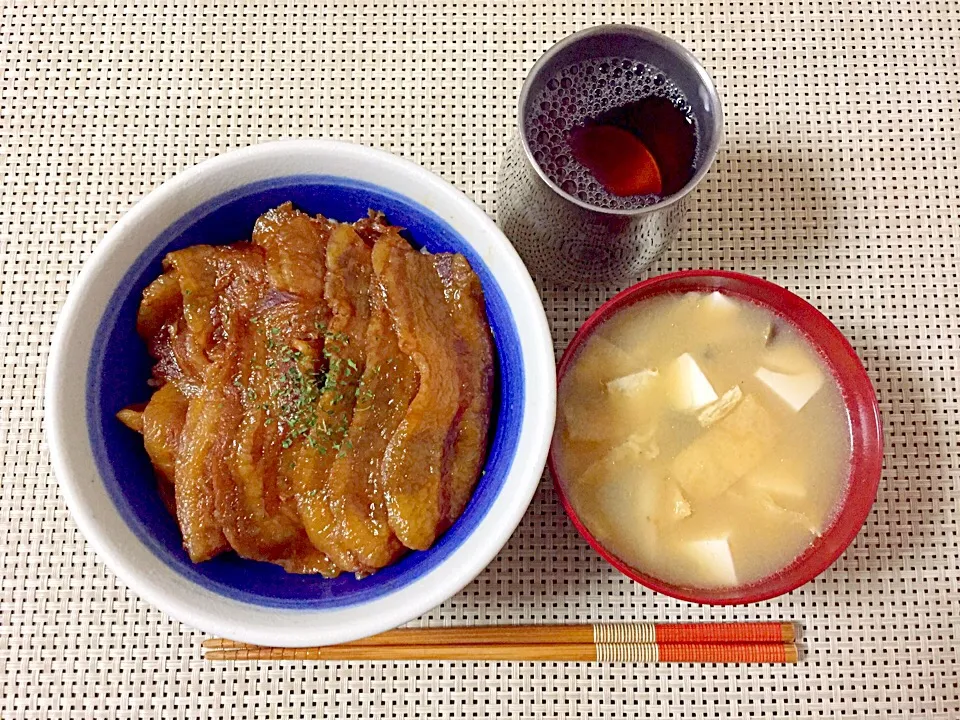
(688,387)
(713,557)
(794,390)
(719,304)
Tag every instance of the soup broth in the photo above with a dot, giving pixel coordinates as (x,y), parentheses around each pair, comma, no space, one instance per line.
(702,440)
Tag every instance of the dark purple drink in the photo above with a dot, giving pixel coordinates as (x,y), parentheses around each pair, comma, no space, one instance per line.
(614,132)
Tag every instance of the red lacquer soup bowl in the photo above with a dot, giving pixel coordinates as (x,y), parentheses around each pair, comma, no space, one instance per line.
(859,399)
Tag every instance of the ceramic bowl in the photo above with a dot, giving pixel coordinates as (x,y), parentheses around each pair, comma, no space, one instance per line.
(98,365)
(858,396)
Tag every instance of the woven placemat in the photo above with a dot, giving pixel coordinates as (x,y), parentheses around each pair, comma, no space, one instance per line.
(839,179)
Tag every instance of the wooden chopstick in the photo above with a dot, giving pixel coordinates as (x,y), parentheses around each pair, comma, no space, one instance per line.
(569,652)
(760,642)
(614,633)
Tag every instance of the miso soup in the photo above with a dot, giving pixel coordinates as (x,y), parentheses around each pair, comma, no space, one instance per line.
(702,440)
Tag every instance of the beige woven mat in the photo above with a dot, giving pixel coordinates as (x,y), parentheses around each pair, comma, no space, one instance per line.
(839,179)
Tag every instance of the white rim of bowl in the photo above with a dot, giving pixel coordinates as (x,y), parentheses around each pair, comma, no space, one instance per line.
(292,627)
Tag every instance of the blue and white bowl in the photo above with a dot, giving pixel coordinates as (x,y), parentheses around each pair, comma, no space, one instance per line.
(98,365)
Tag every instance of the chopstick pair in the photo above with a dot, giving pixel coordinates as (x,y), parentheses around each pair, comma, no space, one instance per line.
(760,642)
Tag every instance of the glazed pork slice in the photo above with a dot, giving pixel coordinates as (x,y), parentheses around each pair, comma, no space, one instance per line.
(278,354)
(295,244)
(323,423)
(257,521)
(465,456)
(374,226)
(220,287)
(386,389)
(161,324)
(223,480)
(181,315)
(305,559)
(213,281)
(281,375)
(162,305)
(163,420)
(160,421)
(413,462)
(199,465)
